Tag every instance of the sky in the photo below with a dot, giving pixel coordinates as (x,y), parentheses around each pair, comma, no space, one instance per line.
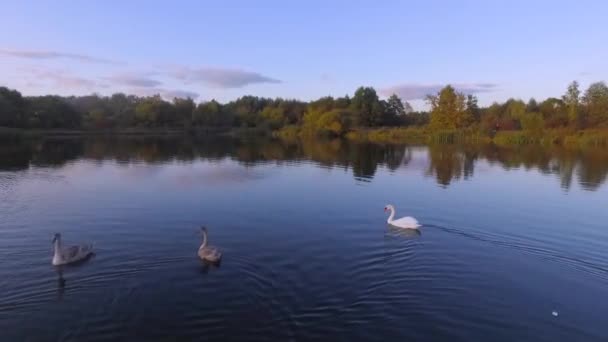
(303,49)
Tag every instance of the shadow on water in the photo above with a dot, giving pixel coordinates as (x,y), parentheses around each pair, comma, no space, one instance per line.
(444,163)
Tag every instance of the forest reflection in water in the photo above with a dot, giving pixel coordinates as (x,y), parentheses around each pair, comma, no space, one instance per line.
(445,163)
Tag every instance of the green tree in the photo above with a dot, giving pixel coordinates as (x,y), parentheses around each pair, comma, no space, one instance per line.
(98,118)
(572,101)
(335,122)
(395,106)
(153,111)
(473,107)
(515,109)
(12,108)
(407,108)
(208,114)
(448,110)
(532,123)
(274,116)
(532,106)
(596,102)
(367,107)
(184,110)
(554,112)
(51,112)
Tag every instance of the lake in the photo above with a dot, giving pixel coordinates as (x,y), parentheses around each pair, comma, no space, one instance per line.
(514,243)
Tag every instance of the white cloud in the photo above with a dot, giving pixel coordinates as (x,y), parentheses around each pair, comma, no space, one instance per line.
(167,94)
(220,77)
(415,91)
(46,54)
(134,79)
(61,78)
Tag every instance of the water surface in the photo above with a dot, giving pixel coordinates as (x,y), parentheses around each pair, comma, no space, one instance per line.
(509,236)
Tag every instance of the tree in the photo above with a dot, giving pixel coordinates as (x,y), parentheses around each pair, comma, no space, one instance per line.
(184,109)
(395,106)
(532,106)
(274,116)
(123,108)
(367,107)
(448,110)
(515,109)
(154,111)
(407,108)
(98,118)
(51,112)
(211,114)
(554,112)
(532,123)
(335,122)
(572,100)
(596,102)
(12,108)
(473,107)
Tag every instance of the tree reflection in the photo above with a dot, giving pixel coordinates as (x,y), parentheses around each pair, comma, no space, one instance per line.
(445,163)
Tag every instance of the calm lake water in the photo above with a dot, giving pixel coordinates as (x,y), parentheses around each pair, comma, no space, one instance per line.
(514,243)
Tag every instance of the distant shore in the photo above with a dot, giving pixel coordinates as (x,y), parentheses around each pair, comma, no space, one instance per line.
(564,137)
(17,133)
(597,138)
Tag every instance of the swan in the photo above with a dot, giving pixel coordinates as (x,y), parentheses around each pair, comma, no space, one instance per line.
(407,222)
(68,255)
(208,253)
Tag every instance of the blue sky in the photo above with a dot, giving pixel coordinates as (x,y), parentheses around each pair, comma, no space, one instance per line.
(302,49)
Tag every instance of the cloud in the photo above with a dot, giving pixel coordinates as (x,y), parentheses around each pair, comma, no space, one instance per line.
(45,54)
(220,77)
(415,91)
(134,79)
(170,94)
(167,94)
(62,79)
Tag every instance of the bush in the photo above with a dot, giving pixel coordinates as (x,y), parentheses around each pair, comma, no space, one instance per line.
(288,133)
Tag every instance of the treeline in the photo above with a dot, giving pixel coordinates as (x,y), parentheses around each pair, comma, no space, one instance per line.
(453,110)
(334,115)
(449,110)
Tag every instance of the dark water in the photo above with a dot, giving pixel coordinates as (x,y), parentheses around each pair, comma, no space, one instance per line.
(509,237)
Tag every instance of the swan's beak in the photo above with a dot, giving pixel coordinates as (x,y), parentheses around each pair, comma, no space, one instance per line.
(385,209)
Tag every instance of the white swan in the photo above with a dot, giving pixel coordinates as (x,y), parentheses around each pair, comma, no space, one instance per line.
(407,222)
(67,255)
(208,253)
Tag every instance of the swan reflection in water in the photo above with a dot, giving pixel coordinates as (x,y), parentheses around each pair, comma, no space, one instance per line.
(206,266)
(60,282)
(403,233)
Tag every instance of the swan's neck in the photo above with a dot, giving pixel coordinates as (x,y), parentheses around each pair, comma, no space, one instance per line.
(391,216)
(57,247)
(204,240)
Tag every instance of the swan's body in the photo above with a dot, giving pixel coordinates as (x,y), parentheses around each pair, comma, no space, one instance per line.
(407,222)
(208,253)
(67,255)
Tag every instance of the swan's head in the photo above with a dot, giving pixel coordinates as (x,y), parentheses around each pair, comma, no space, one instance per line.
(389,207)
(57,237)
(203,229)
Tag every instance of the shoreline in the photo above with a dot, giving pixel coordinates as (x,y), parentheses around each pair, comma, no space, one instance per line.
(596,138)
